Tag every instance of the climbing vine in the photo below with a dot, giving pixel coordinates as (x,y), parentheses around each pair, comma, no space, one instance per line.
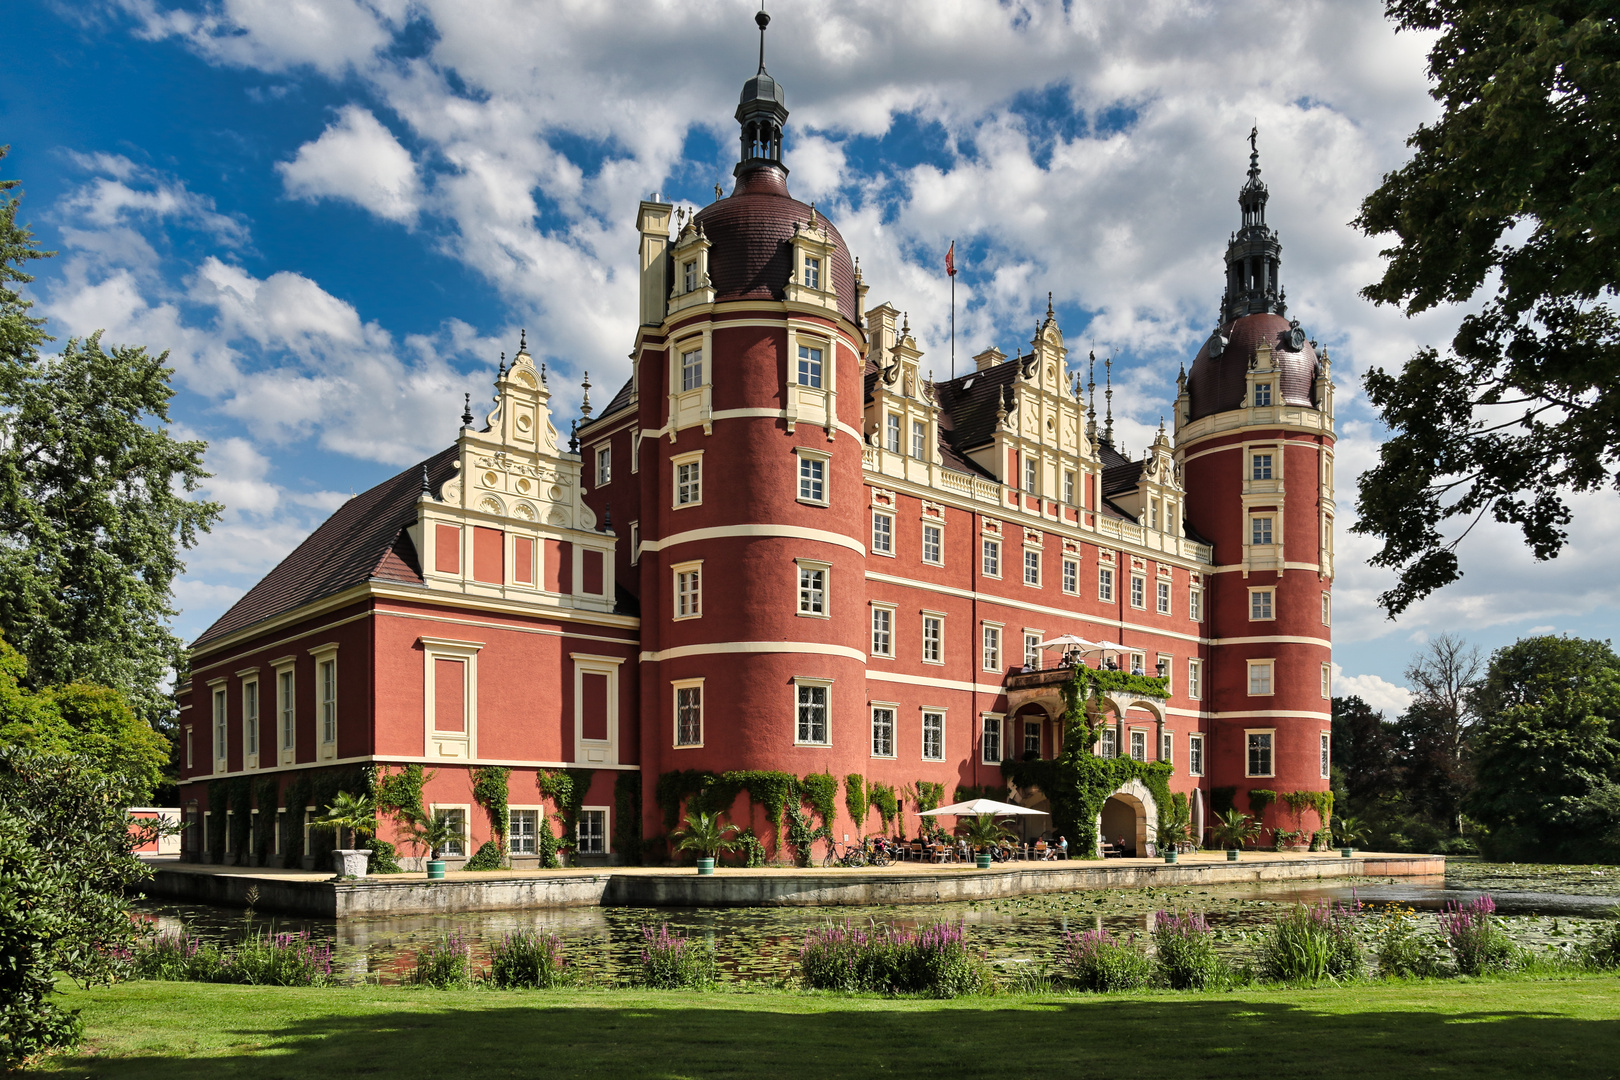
(927,795)
(566,788)
(821,792)
(883,798)
(400,794)
(489,789)
(855,799)
(1259,800)
(265,795)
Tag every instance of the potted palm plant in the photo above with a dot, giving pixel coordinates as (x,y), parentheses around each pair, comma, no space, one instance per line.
(983,831)
(356,815)
(1350,833)
(1171,837)
(438,832)
(1235,830)
(705,835)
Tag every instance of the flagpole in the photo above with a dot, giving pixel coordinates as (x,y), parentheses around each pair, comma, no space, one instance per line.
(953,326)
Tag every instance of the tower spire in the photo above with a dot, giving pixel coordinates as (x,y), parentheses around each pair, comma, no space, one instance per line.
(1108,393)
(1254,254)
(762,110)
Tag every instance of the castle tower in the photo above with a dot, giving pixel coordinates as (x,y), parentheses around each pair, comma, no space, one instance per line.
(1254,438)
(753,513)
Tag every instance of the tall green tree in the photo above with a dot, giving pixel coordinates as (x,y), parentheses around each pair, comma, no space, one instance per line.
(96,499)
(1511,200)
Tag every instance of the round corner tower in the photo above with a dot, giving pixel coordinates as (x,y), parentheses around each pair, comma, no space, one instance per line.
(750,387)
(1254,437)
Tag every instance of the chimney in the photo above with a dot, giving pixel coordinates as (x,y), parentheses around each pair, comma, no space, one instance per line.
(652,221)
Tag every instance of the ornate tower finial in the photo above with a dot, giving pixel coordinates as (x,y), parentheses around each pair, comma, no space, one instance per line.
(466,410)
(762,110)
(1048,306)
(585,405)
(542,373)
(427,488)
(1091,393)
(500,372)
(1254,254)
(523,343)
(1108,394)
(573,436)
(607,519)
(762,20)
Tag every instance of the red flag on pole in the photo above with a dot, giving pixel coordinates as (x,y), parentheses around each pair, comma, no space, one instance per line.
(950,260)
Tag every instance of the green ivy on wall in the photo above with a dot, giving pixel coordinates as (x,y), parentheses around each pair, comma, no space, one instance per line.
(927,795)
(855,800)
(400,794)
(887,804)
(566,788)
(821,792)
(489,790)
(1259,800)
(266,796)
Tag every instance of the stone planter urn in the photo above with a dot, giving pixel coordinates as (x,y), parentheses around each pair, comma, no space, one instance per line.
(351,862)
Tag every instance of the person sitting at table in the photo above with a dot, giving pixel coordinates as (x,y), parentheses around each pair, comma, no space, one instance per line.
(1110,665)
(1136,669)
(1062,847)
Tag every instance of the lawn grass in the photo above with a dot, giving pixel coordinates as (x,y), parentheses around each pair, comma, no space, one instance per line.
(1567,1028)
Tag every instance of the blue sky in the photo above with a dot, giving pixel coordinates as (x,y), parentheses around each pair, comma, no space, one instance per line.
(336,213)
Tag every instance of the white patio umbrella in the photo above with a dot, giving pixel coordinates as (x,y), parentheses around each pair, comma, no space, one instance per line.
(1067,641)
(975,807)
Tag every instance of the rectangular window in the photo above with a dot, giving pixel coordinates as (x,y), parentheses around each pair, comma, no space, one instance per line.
(992,648)
(1071,576)
(328,676)
(882,533)
(250,718)
(521,830)
(812,272)
(1195,755)
(1153,513)
(1110,742)
(604,466)
(689,593)
(1326,746)
(1195,679)
(592,832)
(990,741)
(933,736)
(992,558)
(689,278)
(1138,592)
(1105,583)
(882,632)
(1164,667)
(933,545)
(809,367)
(1068,486)
(458,825)
(1262,394)
(1032,476)
(883,732)
(813,714)
(221,732)
(189,748)
(933,637)
(1327,609)
(1138,746)
(1259,678)
(1260,467)
(1327,682)
(1260,604)
(1259,531)
(1164,598)
(689,483)
(891,429)
(919,440)
(1195,605)
(1032,651)
(1032,568)
(1259,753)
(812,479)
(635,544)
(691,369)
(689,716)
(1136,662)
(1167,746)
(289,710)
(812,591)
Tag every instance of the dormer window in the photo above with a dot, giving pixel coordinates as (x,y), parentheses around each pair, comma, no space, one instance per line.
(892,431)
(809,367)
(691,369)
(812,272)
(689,275)
(1262,394)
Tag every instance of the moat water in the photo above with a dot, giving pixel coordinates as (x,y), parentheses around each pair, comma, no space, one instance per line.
(1540,906)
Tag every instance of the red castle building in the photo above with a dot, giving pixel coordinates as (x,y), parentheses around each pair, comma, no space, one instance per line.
(783,546)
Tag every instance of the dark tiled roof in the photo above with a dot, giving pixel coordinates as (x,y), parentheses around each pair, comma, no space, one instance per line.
(621,400)
(971,401)
(363,540)
(1119,473)
(748,231)
(1217,383)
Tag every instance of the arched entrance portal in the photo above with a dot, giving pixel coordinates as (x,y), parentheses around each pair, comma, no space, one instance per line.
(1132,814)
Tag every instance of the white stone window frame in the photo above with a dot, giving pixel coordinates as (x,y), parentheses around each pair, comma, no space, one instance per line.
(607,829)
(1195,678)
(1263,459)
(1263,598)
(597,752)
(988,546)
(635,543)
(1136,661)
(1195,754)
(1325,744)
(1161,592)
(1167,746)
(1271,753)
(539,813)
(1269,665)
(986,722)
(450,745)
(923,713)
(691,566)
(219,705)
(825,568)
(694,407)
(286,669)
(1195,604)
(602,455)
(190,749)
(1070,578)
(1107,584)
(1033,560)
(826,685)
(922,535)
(1169,662)
(1138,595)
(894,433)
(1069,487)
(675,688)
(1038,636)
(1273,528)
(250,746)
(889,610)
(939,616)
(1327,608)
(466,825)
(887,516)
(1137,737)
(693,458)
(1327,682)
(919,439)
(326,709)
(986,629)
(805,454)
(893,709)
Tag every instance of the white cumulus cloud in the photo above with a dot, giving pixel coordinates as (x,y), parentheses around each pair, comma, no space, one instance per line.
(358,160)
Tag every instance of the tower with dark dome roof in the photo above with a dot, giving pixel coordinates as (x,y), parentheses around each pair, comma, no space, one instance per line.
(1254,437)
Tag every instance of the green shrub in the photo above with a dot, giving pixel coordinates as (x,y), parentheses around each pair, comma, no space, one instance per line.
(487,857)
(1478,943)
(673,961)
(934,960)
(1185,948)
(384,857)
(260,959)
(1400,947)
(1097,961)
(444,963)
(1603,951)
(525,960)
(1312,943)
